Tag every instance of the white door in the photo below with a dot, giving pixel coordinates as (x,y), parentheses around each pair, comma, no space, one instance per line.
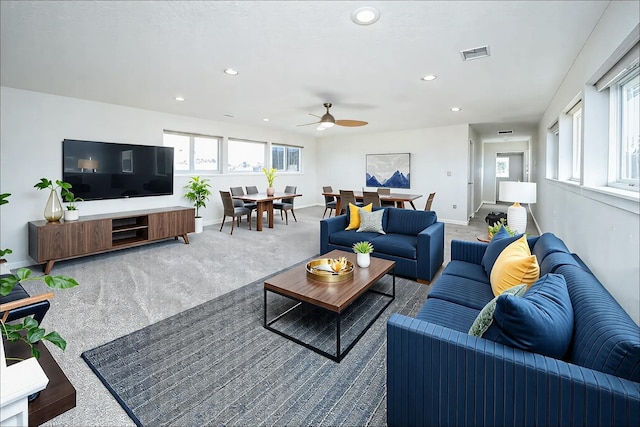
(470,188)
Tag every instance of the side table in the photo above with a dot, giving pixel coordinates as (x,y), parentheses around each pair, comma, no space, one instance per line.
(483,238)
(58,397)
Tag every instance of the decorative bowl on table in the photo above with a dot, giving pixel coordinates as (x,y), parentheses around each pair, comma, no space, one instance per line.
(330,270)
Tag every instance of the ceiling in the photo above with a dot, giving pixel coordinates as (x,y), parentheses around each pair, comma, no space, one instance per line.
(293,56)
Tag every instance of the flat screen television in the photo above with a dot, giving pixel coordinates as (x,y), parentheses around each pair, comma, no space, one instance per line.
(107,170)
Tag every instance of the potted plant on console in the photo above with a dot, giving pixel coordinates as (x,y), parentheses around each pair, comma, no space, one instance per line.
(198,192)
(363,253)
(271,176)
(72,213)
(53,208)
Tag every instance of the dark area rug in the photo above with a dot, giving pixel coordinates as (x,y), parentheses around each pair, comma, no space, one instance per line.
(216,364)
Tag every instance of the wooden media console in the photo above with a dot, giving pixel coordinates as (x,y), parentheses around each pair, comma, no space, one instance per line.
(93,234)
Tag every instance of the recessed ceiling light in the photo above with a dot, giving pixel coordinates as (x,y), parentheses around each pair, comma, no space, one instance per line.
(265,120)
(365,15)
(429,77)
(231,71)
(455,109)
(179,98)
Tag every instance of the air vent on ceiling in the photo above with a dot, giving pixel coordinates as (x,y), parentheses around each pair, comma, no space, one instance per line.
(478,52)
(505,132)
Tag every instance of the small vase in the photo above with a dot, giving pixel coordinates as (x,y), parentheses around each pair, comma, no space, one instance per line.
(271,191)
(53,209)
(363,260)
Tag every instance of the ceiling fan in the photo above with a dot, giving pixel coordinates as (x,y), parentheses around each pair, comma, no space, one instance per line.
(327,120)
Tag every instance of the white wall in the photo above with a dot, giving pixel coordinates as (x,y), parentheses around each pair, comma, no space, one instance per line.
(341,163)
(602,229)
(34,124)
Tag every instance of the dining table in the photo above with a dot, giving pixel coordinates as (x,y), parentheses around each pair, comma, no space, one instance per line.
(399,199)
(264,203)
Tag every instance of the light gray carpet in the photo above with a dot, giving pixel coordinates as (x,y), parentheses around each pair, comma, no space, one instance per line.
(127,290)
(216,365)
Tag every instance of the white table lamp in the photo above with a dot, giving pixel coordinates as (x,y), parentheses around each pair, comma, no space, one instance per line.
(517,192)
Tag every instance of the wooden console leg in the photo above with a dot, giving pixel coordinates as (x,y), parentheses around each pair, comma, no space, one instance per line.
(185,238)
(48,266)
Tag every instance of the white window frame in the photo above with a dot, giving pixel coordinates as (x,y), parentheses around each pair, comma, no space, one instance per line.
(553,151)
(619,124)
(576,140)
(192,167)
(286,151)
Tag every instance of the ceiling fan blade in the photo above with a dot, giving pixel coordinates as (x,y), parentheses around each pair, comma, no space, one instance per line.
(315,115)
(307,124)
(350,123)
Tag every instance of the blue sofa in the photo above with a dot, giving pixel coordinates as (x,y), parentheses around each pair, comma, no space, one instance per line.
(414,240)
(439,375)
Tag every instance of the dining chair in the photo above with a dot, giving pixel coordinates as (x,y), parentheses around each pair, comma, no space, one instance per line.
(427,206)
(287,204)
(232,211)
(385,192)
(346,197)
(329,201)
(252,189)
(371,197)
(238,191)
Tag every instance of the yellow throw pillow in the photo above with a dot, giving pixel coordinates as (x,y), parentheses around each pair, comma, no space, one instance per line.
(354,215)
(515,265)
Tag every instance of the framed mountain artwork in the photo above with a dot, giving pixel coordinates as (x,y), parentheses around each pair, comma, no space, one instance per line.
(388,170)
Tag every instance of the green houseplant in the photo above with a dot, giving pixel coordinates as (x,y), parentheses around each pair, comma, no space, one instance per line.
(271,176)
(198,193)
(29,331)
(71,214)
(363,252)
(493,229)
(53,209)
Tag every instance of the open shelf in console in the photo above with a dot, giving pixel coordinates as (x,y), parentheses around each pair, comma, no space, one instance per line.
(129,230)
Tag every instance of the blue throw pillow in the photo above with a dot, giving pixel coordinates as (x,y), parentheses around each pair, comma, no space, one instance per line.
(541,321)
(498,242)
(547,244)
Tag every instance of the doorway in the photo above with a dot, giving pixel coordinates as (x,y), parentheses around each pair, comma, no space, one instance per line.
(509,167)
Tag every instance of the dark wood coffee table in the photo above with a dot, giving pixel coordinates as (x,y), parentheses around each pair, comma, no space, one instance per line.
(331,297)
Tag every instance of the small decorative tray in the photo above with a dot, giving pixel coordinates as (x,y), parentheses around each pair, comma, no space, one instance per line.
(320,269)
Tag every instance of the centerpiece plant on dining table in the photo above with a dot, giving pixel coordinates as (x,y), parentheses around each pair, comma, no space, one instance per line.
(271,176)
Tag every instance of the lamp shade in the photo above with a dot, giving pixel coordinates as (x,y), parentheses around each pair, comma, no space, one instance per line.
(515,191)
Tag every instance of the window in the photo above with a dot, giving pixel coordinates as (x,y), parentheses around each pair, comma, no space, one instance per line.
(245,156)
(622,81)
(628,144)
(502,167)
(285,158)
(193,153)
(576,137)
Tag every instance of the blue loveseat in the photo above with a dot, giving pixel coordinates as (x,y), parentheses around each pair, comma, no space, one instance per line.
(439,375)
(414,240)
